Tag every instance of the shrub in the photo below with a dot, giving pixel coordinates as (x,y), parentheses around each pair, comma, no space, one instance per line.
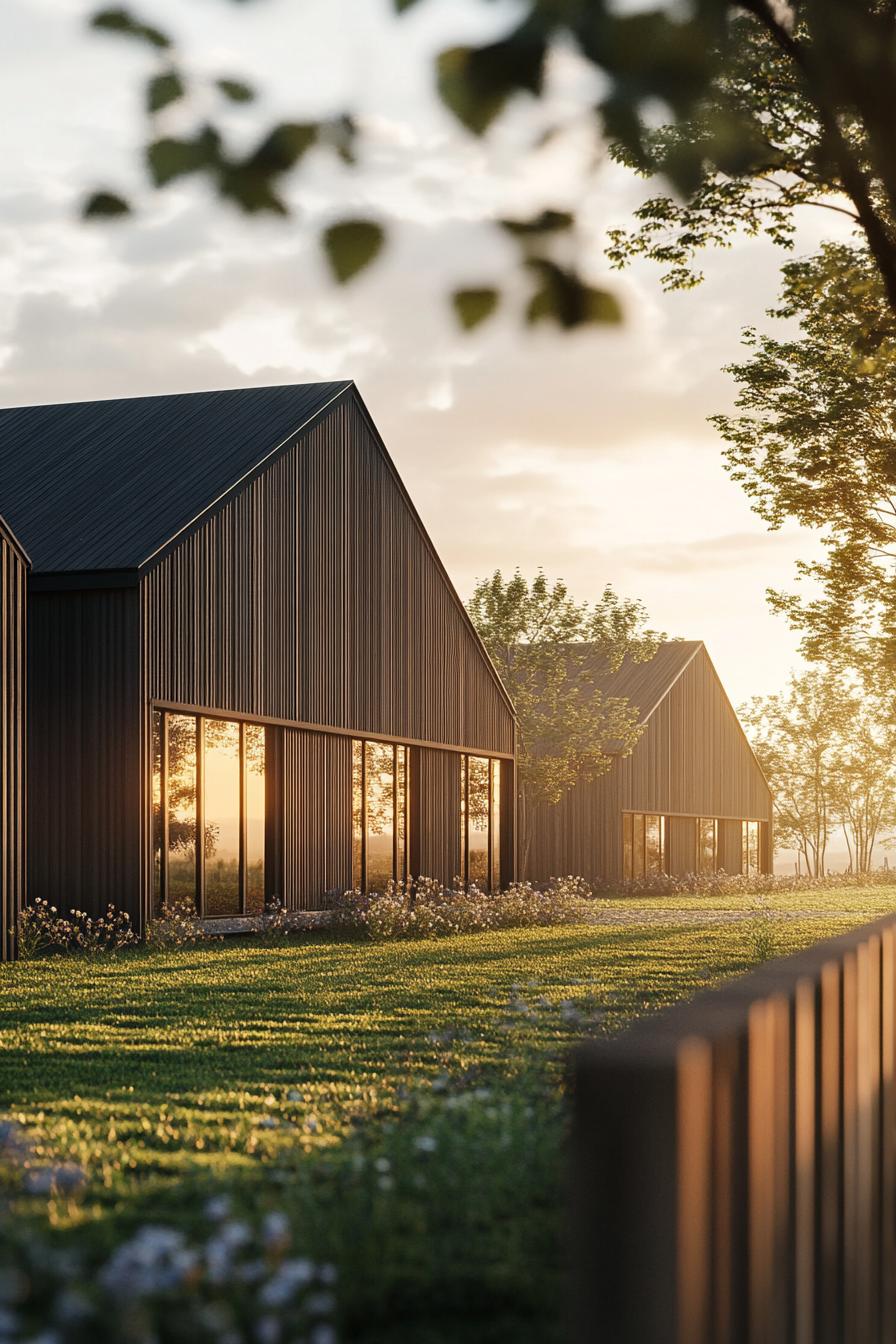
(275,919)
(41,928)
(426,909)
(177,925)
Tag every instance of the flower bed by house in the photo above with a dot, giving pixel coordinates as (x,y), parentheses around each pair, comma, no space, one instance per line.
(426,909)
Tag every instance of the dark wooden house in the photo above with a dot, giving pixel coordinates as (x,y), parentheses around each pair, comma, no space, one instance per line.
(13,591)
(689,798)
(250,674)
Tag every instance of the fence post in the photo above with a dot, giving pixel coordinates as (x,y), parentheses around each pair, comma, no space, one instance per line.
(734,1160)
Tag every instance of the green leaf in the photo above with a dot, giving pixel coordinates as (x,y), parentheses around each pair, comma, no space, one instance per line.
(236,90)
(473,306)
(601,305)
(549,221)
(251,190)
(351,245)
(164,89)
(105,205)
(402,5)
(282,148)
(475,82)
(170,158)
(475,109)
(564,298)
(123,22)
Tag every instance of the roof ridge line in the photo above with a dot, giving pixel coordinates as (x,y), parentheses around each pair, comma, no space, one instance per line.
(345,386)
(698,645)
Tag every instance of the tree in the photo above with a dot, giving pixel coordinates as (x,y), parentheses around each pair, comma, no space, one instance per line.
(796,736)
(801,105)
(827,749)
(814,440)
(549,651)
(864,789)
(799,98)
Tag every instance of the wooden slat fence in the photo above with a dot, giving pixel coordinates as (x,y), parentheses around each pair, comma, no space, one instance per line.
(734,1160)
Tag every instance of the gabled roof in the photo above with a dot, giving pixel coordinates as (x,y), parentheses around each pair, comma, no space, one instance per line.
(7,533)
(97,485)
(646,684)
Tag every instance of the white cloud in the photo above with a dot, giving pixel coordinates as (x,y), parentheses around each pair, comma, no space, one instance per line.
(589,455)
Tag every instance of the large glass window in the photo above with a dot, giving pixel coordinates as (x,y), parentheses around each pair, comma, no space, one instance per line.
(707,844)
(495,833)
(379,814)
(256,816)
(209,780)
(221,786)
(750,846)
(179,804)
(643,844)
(480,822)
(628,861)
(478,812)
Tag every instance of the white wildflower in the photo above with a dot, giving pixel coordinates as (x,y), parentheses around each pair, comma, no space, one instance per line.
(218,1208)
(321,1304)
(275,1229)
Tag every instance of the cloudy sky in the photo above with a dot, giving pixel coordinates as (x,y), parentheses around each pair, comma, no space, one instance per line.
(588,455)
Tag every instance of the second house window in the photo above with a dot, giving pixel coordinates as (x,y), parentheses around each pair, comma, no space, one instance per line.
(643,844)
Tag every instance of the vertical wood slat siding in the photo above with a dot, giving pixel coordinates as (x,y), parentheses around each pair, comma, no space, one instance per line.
(85,790)
(316,776)
(13,577)
(313,596)
(731,846)
(692,759)
(681,845)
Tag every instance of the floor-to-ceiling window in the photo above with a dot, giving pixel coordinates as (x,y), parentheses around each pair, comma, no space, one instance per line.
(209,782)
(750,862)
(379,814)
(643,844)
(480,822)
(707,844)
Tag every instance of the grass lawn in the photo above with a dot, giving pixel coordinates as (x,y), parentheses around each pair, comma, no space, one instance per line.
(401,1101)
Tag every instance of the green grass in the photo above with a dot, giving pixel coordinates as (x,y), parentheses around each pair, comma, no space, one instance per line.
(300,1074)
(864,903)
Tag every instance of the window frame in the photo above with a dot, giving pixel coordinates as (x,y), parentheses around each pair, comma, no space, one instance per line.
(747,837)
(699,823)
(160,891)
(493,840)
(634,842)
(401,843)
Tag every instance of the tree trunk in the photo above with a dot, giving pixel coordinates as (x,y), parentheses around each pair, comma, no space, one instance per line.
(525,834)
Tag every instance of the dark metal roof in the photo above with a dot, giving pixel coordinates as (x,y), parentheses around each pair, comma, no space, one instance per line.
(98,485)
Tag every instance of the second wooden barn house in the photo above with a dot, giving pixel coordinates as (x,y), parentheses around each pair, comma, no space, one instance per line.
(13,576)
(250,673)
(690,798)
